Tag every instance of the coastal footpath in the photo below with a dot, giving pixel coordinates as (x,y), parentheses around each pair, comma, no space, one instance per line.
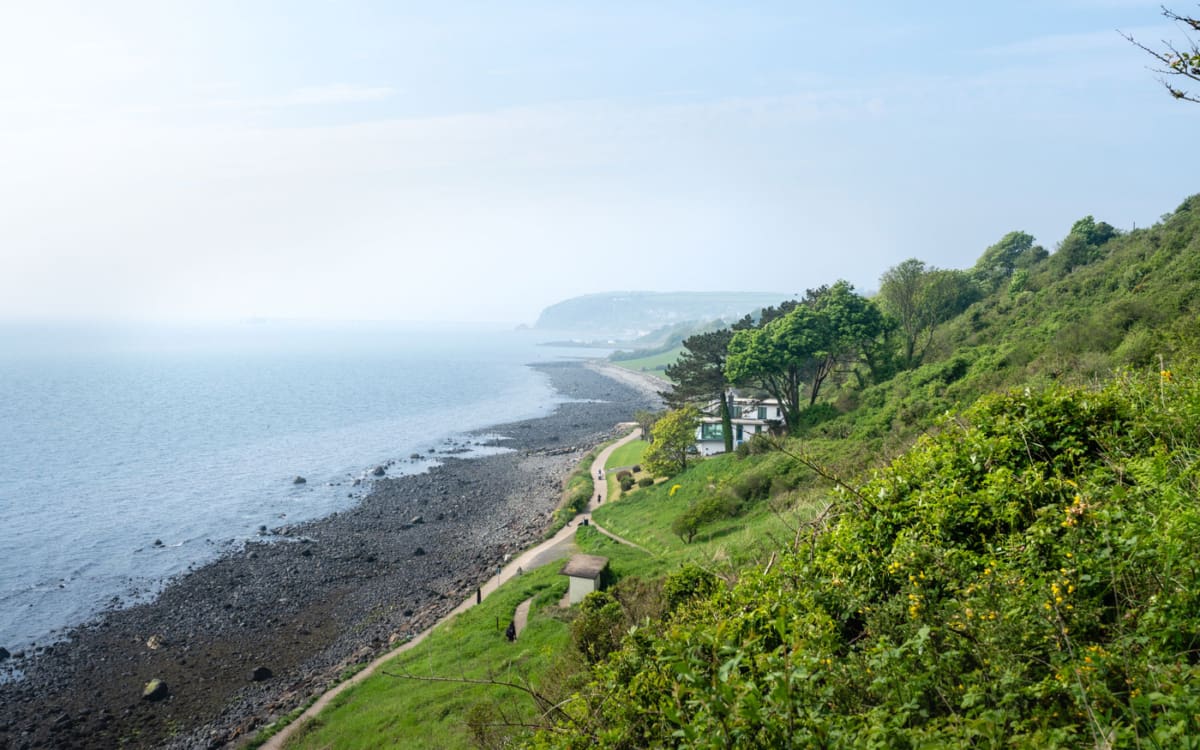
(255,634)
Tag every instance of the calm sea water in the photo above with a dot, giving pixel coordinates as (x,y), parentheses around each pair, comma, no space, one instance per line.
(113,439)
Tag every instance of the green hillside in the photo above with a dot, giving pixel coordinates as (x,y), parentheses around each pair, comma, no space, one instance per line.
(981,535)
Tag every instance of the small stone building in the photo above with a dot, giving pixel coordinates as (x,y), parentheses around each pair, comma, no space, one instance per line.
(585,574)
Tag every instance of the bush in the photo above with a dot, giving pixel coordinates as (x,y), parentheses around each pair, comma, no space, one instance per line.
(688,583)
(1025,576)
(706,510)
(626,484)
(645,482)
(598,625)
(752,486)
(624,474)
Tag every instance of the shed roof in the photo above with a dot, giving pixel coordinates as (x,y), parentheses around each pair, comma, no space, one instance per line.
(584,566)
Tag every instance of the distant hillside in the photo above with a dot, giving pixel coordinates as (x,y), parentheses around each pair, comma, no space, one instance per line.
(630,314)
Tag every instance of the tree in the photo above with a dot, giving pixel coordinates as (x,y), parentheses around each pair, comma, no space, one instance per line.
(699,376)
(1014,250)
(1177,63)
(1082,245)
(674,434)
(919,297)
(833,326)
(645,420)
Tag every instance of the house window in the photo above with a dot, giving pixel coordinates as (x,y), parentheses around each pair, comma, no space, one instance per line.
(709,431)
(735,411)
(739,433)
(762,412)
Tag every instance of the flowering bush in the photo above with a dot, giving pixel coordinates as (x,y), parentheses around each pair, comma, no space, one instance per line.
(1026,576)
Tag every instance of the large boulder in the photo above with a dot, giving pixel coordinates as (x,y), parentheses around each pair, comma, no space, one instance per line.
(299,480)
(378,471)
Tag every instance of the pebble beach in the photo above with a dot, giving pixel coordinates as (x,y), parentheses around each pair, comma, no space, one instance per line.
(254,634)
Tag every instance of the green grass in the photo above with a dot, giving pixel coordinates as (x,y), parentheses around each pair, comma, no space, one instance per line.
(627,455)
(644,516)
(653,364)
(391,711)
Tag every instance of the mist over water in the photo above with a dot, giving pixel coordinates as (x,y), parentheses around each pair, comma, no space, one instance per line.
(113,439)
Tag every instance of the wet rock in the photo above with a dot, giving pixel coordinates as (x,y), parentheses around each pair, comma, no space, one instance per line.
(417,520)
(4,654)
(418,551)
(299,480)
(261,673)
(378,471)
(155,690)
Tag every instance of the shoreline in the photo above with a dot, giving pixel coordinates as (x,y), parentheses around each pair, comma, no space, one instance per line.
(404,556)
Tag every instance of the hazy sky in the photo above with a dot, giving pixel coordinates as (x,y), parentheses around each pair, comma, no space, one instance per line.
(478,161)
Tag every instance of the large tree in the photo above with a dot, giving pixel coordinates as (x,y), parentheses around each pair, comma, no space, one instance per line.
(674,434)
(699,376)
(919,297)
(1180,63)
(833,326)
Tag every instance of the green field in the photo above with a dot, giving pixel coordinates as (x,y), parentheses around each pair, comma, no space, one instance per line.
(654,365)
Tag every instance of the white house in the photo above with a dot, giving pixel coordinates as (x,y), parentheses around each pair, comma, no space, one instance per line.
(749,416)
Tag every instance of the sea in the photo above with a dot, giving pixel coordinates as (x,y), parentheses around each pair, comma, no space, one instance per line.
(131,453)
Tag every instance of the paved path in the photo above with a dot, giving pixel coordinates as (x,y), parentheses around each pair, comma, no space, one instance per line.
(601,490)
(521,616)
(561,544)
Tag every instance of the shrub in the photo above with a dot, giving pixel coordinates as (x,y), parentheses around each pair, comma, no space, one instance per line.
(624,474)
(645,482)
(626,484)
(706,510)
(752,485)
(688,583)
(596,630)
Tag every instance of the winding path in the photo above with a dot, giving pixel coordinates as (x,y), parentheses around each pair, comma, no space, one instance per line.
(529,559)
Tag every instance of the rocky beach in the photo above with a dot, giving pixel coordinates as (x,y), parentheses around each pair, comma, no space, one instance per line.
(254,634)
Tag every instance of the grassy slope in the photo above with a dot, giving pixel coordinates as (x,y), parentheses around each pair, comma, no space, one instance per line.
(653,364)
(387,711)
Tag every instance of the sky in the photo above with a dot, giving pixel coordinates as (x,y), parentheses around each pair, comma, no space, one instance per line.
(452,161)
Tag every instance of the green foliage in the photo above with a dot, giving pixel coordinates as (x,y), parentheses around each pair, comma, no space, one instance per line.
(999,262)
(699,375)
(645,482)
(577,492)
(919,298)
(834,326)
(707,509)
(596,630)
(1083,245)
(1025,576)
(687,584)
(674,434)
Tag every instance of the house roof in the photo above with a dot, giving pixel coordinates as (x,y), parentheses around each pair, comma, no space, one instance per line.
(584,566)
